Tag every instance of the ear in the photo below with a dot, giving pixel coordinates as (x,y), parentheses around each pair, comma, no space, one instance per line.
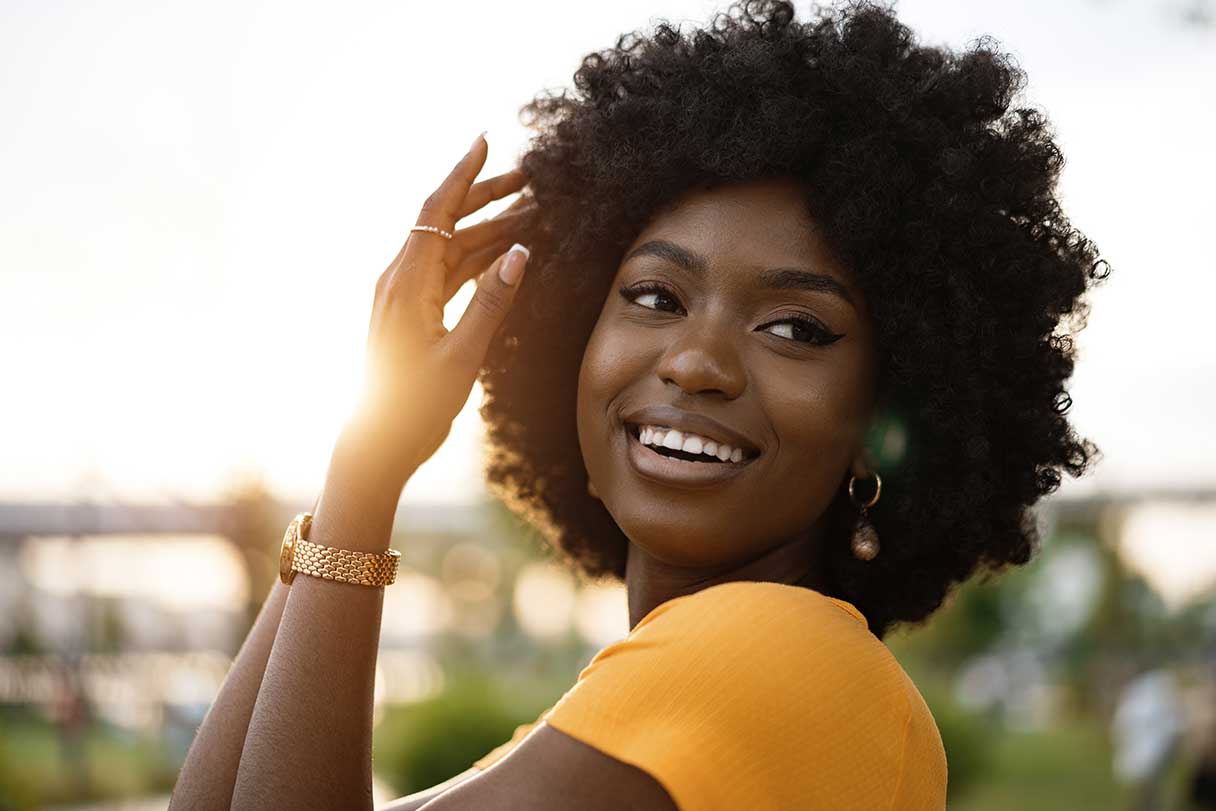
(591,490)
(863,464)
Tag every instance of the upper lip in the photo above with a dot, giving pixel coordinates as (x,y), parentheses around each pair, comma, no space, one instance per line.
(692,422)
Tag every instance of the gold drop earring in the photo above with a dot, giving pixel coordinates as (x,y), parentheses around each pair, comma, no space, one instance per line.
(865,537)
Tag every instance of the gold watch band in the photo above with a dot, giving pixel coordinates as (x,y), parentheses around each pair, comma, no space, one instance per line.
(330,563)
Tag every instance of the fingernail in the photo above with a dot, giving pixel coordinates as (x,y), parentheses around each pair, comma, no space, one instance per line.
(512,266)
(480,137)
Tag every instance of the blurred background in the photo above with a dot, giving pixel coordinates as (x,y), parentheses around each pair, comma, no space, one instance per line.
(198,199)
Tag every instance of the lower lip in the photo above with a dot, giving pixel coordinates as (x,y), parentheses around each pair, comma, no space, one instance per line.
(678,472)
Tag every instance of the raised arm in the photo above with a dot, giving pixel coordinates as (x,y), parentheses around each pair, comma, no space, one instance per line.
(364,482)
(309,739)
(308,742)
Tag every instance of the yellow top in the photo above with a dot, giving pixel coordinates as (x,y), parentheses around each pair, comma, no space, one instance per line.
(757,695)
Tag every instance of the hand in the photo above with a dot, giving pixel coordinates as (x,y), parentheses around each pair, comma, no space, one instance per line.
(418,375)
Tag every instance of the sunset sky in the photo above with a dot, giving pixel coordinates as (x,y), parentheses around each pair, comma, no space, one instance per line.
(198,199)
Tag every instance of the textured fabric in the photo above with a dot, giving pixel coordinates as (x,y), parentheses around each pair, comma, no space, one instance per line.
(762,696)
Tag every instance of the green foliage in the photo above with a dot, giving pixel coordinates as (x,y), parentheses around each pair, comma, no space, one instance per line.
(420,745)
(966,736)
(1061,769)
(39,766)
(17,791)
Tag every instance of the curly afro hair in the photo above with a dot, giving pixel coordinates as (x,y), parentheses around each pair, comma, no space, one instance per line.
(937,195)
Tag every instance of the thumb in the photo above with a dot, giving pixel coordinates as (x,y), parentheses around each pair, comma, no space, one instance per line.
(496,288)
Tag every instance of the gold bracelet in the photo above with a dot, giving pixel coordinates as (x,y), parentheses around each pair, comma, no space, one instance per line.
(298,554)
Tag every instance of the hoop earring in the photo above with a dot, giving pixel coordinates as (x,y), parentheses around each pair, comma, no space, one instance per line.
(865,537)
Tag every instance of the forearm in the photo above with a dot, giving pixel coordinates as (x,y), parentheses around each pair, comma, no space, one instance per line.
(309,740)
(206,778)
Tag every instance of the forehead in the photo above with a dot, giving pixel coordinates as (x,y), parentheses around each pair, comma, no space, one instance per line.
(741,228)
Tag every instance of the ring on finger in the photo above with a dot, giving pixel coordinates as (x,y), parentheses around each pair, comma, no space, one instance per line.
(434,230)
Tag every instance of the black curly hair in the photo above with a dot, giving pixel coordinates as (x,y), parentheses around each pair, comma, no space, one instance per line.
(937,196)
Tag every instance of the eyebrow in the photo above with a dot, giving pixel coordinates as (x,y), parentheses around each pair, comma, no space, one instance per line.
(782,278)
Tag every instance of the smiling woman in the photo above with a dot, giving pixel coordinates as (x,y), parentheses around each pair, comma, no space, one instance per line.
(801,311)
(760,253)
(833,246)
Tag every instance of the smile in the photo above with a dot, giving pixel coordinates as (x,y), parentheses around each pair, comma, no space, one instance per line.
(678,467)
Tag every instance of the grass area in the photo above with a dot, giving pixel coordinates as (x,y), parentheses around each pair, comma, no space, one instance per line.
(37,768)
(1063,769)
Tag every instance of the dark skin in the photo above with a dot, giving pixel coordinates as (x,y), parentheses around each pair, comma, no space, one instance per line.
(303,681)
(717,344)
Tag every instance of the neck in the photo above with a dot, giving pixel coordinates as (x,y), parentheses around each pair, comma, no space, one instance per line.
(650,582)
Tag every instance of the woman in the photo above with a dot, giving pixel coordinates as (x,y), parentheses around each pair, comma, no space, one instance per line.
(788,359)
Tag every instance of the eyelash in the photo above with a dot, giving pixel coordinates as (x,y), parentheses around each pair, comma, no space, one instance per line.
(822,336)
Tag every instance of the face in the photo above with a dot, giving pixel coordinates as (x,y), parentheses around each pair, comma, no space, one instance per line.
(728,317)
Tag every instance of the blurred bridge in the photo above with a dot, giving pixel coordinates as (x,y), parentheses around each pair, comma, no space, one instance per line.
(19,521)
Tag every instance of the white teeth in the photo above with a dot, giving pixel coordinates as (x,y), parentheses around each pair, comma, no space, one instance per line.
(662,437)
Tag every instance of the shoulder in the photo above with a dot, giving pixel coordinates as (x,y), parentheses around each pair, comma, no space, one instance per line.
(820,680)
(749,694)
(764,646)
(756,695)
(752,630)
(924,770)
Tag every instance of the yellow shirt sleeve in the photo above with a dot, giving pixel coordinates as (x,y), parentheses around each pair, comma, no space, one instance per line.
(762,696)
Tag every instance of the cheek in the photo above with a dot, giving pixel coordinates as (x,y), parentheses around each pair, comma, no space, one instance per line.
(609,362)
(602,376)
(590,375)
(820,421)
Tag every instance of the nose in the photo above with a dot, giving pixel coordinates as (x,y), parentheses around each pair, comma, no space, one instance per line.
(704,357)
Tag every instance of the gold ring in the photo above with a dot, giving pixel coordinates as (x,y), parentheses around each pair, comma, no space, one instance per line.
(434,230)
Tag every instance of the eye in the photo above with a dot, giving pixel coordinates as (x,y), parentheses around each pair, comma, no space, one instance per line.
(648,291)
(817,334)
(651,295)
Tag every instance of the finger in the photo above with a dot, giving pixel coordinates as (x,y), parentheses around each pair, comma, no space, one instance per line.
(489,231)
(494,188)
(488,308)
(421,260)
(494,234)
(476,246)
(472,265)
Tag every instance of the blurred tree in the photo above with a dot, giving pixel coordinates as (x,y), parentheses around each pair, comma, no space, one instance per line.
(110,635)
(253,522)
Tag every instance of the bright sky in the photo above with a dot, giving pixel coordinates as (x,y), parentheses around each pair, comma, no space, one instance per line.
(199,199)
